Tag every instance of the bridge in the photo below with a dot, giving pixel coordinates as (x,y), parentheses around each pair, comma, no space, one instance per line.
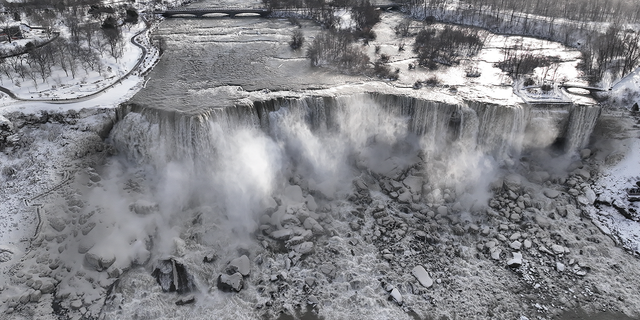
(232,12)
(569,85)
(199,13)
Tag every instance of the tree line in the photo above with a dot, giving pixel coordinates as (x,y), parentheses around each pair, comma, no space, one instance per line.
(576,23)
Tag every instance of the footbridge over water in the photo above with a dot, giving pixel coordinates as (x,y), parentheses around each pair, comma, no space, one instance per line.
(592,90)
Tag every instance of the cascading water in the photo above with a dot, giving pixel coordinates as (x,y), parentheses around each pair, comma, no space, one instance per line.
(246,178)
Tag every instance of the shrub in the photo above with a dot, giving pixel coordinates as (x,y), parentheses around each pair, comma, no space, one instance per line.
(297,40)
(383,71)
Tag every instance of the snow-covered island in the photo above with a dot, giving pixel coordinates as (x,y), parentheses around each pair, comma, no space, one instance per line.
(361,160)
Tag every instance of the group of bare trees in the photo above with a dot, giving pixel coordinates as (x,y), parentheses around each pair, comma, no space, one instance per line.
(337,49)
(447,45)
(616,51)
(91,39)
(626,11)
(577,23)
(519,60)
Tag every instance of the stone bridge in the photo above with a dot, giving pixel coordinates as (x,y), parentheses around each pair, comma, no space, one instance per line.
(232,12)
(199,13)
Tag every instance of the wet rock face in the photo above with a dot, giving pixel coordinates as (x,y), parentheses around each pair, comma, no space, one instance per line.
(172,276)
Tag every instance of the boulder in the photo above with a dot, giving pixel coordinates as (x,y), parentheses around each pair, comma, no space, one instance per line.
(241,265)
(516,261)
(35,296)
(294,193)
(229,283)
(589,195)
(99,260)
(423,276)
(396,296)
(186,300)
(57,223)
(282,234)
(582,173)
(513,182)
(550,193)
(313,225)
(172,276)
(585,153)
(311,203)
(557,249)
(414,184)
(304,248)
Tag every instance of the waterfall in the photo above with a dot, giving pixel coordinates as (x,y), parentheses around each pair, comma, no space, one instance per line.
(581,123)
(148,135)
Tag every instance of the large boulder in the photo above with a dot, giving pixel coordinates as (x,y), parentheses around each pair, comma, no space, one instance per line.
(229,283)
(423,276)
(172,276)
(240,265)
(99,259)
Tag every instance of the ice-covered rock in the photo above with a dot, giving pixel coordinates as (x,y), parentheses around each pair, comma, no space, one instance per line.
(311,203)
(515,245)
(495,253)
(35,296)
(405,197)
(557,249)
(57,223)
(582,173)
(241,265)
(294,194)
(282,234)
(172,276)
(270,205)
(304,248)
(590,195)
(313,225)
(396,296)
(550,193)
(516,261)
(414,184)
(188,299)
(585,153)
(423,276)
(99,259)
(513,182)
(328,269)
(560,266)
(229,283)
